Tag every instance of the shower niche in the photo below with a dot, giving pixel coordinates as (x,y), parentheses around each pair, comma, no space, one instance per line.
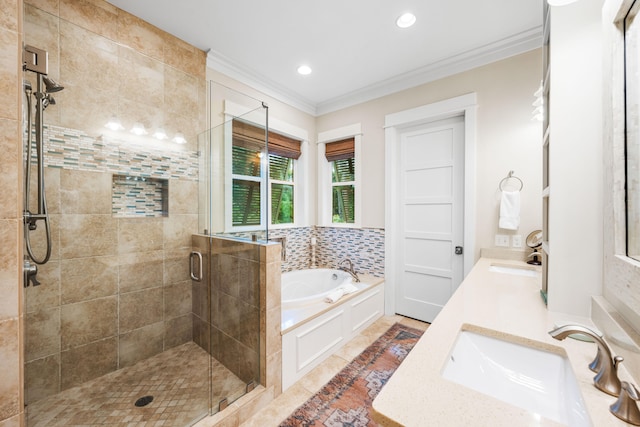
(139,197)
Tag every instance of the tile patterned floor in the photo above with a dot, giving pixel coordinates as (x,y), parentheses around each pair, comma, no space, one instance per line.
(177,379)
(298,393)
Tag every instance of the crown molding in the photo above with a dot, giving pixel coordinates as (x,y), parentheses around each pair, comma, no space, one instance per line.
(501,49)
(225,65)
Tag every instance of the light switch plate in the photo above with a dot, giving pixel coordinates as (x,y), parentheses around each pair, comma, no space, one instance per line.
(502,240)
(516,240)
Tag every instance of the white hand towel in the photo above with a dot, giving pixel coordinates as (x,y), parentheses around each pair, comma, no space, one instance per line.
(510,210)
(348,288)
(339,292)
(334,296)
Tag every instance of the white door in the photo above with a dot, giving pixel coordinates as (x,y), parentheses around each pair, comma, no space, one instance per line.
(430,217)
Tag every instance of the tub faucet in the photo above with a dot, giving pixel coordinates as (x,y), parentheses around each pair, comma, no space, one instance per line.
(606,379)
(349,268)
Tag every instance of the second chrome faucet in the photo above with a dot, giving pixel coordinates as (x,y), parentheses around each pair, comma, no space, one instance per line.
(605,364)
(606,379)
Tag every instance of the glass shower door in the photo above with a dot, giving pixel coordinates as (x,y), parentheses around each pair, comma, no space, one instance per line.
(230,181)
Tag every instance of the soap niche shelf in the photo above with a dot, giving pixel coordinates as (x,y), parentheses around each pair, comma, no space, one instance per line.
(139,197)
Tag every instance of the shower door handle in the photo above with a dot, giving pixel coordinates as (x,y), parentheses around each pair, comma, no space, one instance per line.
(195,254)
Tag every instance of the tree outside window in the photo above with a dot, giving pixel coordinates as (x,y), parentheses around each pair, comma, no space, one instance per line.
(248,150)
(343,191)
(341,157)
(282,189)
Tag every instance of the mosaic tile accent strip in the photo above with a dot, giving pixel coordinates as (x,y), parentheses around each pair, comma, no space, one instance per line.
(133,197)
(73,149)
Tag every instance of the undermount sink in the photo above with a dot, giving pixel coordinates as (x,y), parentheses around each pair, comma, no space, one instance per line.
(535,379)
(512,269)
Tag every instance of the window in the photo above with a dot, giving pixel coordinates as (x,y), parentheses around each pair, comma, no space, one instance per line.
(249,172)
(339,171)
(341,155)
(282,189)
(246,177)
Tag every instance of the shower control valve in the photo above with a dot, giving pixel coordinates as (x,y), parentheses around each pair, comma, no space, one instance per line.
(30,272)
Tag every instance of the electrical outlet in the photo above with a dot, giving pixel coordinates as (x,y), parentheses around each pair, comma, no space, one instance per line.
(502,240)
(516,240)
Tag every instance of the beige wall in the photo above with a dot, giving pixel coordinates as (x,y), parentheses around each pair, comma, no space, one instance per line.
(507,138)
(11,314)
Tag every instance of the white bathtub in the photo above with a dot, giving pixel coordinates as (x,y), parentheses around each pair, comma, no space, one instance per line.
(312,329)
(304,287)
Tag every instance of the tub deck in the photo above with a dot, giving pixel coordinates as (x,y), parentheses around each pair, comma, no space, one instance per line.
(294,317)
(313,333)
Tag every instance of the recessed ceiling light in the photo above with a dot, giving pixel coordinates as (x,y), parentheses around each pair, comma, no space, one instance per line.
(406,20)
(305,70)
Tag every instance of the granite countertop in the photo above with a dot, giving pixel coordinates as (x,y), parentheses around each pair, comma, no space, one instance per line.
(417,395)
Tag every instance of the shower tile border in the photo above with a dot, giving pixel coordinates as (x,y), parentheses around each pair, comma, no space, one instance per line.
(76,150)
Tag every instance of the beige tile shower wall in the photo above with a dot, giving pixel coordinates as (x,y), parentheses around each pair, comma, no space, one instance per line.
(11,320)
(271,318)
(116,290)
(111,62)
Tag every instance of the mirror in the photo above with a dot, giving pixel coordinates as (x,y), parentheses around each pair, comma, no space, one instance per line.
(632,52)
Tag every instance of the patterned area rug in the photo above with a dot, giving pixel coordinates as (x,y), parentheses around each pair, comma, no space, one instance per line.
(346,399)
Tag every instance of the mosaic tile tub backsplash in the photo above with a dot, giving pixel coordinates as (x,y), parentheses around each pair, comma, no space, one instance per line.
(364,246)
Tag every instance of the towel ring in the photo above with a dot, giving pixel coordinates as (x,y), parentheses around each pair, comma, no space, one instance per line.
(507,178)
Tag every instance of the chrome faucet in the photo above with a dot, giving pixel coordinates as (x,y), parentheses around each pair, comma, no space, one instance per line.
(606,379)
(349,269)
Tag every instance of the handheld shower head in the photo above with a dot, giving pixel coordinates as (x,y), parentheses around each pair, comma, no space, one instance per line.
(51,85)
(48,100)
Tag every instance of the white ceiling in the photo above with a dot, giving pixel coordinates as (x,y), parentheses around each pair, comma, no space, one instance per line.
(353,46)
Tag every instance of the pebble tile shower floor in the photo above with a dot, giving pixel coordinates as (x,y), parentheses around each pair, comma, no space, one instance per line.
(176,378)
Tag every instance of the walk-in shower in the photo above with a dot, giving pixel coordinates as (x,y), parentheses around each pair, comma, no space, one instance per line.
(117,331)
(36,61)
